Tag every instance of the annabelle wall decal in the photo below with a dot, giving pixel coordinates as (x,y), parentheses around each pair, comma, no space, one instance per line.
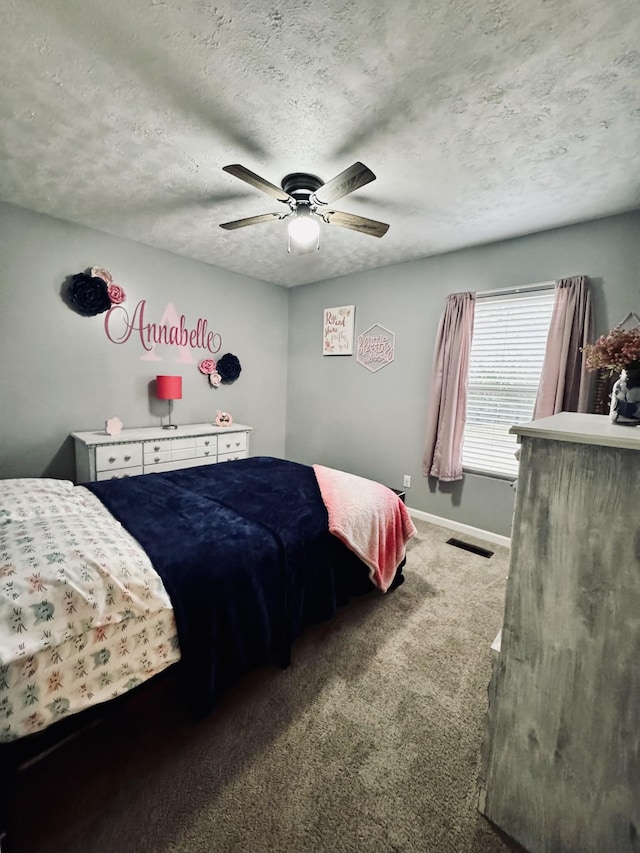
(171,330)
(95,292)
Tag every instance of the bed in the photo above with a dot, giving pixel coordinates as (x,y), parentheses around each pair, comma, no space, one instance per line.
(214,570)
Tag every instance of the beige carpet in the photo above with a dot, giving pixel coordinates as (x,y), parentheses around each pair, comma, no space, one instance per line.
(370,741)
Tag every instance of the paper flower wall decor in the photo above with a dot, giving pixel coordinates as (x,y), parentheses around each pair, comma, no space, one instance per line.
(229,367)
(208,367)
(94,292)
(225,370)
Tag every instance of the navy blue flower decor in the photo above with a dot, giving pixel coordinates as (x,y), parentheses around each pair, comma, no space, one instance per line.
(94,293)
(228,367)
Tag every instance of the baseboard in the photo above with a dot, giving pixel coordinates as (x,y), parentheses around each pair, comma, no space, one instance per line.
(487,535)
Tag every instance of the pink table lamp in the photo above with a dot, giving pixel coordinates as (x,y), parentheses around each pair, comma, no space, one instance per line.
(169,388)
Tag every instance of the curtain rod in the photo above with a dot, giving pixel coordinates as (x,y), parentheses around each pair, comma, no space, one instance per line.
(508,291)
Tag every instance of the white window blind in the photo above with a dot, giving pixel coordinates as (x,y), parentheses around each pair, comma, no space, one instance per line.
(509,340)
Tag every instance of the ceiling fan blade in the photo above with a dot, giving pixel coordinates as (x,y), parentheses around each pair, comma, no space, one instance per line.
(250,220)
(355,222)
(259,183)
(346,182)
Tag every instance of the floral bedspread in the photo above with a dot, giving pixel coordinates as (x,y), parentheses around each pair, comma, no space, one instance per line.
(84,616)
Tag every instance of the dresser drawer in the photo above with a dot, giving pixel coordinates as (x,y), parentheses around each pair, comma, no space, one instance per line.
(231,457)
(205,452)
(181,444)
(165,465)
(153,447)
(170,448)
(152,456)
(232,443)
(177,464)
(119,473)
(207,442)
(112,456)
(178,453)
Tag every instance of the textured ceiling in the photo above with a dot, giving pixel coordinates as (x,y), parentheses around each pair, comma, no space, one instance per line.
(482,119)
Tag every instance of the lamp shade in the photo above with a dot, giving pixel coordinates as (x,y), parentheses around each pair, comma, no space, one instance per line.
(303,228)
(169,387)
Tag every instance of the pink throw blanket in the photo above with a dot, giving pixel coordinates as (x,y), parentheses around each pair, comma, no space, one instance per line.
(369,518)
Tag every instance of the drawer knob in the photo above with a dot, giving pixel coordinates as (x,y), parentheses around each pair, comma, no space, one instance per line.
(156,448)
(206,453)
(206,444)
(156,458)
(237,444)
(127,458)
(112,459)
(228,444)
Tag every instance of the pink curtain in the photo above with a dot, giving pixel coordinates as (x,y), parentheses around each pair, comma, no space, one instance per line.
(565,383)
(448,396)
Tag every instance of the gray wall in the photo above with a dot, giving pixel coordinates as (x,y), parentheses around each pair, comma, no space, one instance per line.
(372,424)
(60,373)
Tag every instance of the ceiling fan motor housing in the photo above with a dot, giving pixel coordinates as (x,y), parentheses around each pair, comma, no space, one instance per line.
(301,185)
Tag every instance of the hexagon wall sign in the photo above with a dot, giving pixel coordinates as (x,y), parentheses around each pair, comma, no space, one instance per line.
(376,347)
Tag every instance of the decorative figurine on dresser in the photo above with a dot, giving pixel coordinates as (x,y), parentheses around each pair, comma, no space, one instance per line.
(561,767)
(101,456)
(625,398)
(618,354)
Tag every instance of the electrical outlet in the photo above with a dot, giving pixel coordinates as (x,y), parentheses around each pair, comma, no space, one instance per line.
(407,481)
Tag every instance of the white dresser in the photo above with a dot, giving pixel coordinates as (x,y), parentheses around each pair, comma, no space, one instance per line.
(141,451)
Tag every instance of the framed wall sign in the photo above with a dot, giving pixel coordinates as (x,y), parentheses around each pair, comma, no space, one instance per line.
(337,332)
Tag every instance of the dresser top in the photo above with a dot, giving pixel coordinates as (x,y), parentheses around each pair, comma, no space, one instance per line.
(581,429)
(156,433)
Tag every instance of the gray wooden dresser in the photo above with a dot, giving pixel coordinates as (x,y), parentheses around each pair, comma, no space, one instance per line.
(562,755)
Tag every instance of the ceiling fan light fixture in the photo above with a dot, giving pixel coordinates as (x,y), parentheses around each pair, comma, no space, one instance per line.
(307,197)
(303,227)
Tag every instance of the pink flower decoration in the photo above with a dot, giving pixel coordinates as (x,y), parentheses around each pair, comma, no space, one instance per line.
(116,294)
(215,379)
(207,366)
(105,275)
(615,351)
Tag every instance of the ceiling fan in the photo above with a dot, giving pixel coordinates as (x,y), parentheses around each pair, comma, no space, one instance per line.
(308,199)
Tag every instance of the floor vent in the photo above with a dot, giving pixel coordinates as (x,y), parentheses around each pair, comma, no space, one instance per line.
(466,546)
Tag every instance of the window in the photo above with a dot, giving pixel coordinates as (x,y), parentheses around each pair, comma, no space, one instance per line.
(509,340)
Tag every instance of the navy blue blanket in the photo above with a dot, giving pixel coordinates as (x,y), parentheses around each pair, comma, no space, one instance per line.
(245,554)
